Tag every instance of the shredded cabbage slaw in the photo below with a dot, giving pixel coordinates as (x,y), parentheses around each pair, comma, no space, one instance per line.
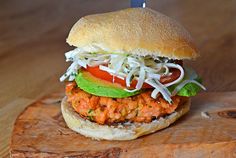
(145,69)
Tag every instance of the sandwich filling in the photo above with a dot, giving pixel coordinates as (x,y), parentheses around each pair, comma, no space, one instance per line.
(127,87)
(106,110)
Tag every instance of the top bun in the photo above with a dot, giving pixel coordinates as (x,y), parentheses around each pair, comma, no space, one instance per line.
(140,31)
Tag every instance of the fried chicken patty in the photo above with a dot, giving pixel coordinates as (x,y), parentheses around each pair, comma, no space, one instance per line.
(105,110)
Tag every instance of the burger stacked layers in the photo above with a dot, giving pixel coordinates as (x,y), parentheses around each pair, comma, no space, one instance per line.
(127,76)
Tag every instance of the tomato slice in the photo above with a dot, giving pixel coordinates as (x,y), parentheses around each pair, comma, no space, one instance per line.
(175,73)
(95,71)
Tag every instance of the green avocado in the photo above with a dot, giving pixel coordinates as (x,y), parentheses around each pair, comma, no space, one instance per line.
(98,87)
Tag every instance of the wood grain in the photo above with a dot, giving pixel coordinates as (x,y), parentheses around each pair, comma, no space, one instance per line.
(32,46)
(41,130)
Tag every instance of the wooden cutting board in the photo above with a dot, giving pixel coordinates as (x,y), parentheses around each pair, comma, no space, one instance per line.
(208,130)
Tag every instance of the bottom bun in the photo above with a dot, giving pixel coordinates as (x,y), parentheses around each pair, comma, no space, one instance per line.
(121,131)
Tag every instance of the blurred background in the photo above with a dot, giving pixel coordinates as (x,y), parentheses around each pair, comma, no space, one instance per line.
(33,34)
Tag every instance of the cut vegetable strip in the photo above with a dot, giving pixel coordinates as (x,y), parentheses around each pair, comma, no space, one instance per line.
(129,76)
(181,85)
(165,94)
(171,65)
(141,78)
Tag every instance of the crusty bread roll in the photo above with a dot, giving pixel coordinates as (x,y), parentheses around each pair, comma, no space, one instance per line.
(140,31)
(126,131)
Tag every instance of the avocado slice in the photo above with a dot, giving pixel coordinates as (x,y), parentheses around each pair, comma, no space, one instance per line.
(95,86)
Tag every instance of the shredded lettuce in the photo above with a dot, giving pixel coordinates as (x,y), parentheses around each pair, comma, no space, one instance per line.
(189,89)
